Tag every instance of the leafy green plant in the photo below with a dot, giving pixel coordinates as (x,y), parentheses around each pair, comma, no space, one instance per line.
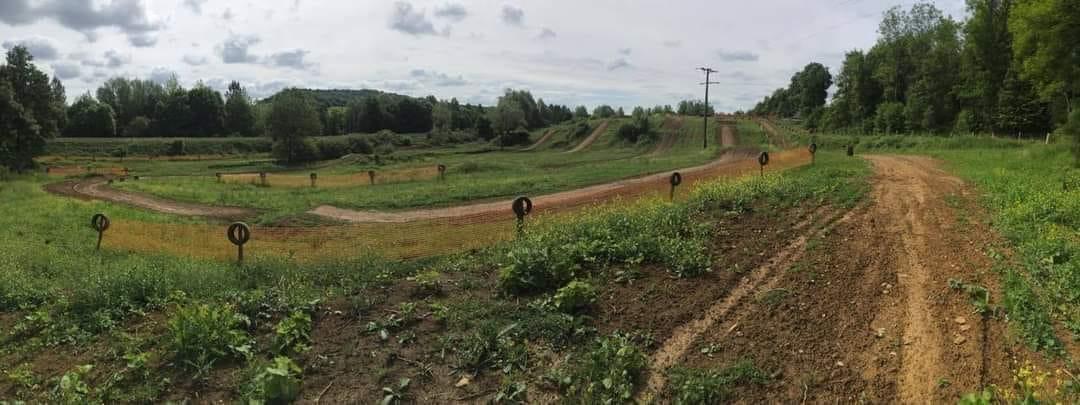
(608,373)
(72,388)
(696,386)
(511,392)
(428,283)
(293,334)
(396,394)
(489,347)
(200,335)
(575,296)
(275,383)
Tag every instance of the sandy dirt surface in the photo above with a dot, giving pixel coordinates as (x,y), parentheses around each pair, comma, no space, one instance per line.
(591,138)
(857,307)
(97,188)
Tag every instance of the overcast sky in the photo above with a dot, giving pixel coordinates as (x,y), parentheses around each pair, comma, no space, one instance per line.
(618,52)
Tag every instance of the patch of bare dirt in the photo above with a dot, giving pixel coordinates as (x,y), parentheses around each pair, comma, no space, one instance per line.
(862,310)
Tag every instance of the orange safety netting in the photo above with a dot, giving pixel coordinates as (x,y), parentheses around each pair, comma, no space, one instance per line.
(334,180)
(64,171)
(417,238)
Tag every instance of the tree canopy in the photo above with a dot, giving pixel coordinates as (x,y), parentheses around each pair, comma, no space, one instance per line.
(31,110)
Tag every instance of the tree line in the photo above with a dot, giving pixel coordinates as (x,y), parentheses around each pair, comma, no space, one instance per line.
(1011,67)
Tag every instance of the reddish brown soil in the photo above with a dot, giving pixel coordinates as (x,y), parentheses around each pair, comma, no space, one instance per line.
(861,310)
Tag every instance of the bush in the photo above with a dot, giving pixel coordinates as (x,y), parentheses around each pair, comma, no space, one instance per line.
(296,150)
(333,148)
(580,129)
(177,148)
(575,296)
(200,335)
(608,373)
(513,138)
(138,127)
(360,145)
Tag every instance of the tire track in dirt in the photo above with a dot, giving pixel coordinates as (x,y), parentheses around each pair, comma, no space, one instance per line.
(763,278)
(97,188)
(591,138)
(867,313)
(547,135)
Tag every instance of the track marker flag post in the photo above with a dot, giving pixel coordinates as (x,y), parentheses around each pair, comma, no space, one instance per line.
(442,172)
(239,233)
(100,223)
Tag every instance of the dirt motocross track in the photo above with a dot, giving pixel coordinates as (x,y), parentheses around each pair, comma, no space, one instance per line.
(857,307)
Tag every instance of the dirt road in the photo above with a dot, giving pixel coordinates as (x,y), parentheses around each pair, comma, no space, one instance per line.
(570,198)
(97,188)
(858,307)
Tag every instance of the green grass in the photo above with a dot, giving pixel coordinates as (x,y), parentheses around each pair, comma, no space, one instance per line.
(1024,189)
(64,294)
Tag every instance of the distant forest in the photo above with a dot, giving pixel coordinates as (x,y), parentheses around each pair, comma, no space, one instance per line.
(1011,67)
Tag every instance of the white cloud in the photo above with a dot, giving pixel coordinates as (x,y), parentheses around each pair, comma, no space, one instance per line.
(270,44)
(513,15)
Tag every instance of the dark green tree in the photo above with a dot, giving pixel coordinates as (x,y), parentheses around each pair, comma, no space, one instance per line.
(239,114)
(292,119)
(36,109)
(207,111)
(88,117)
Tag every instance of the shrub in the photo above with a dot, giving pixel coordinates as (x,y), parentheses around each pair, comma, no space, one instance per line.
(513,138)
(580,129)
(333,148)
(296,150)
(176,148)
(200,335)
(360,145)
(575,296)
(138,127)
(608,373)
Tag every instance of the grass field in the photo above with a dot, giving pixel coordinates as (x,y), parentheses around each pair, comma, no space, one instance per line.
(155,339)
(474,173)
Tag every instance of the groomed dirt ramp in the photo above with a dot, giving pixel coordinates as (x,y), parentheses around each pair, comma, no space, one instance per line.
(588,141)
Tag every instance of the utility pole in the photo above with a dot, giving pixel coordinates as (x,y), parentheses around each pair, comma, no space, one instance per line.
(705,135)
